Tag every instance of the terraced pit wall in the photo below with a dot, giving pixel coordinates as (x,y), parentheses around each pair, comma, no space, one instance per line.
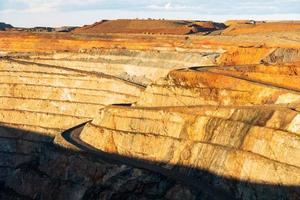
(47,89)
(43,93)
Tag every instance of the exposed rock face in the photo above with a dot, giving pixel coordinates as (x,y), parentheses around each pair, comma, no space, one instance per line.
(240,143)
(141,67)
(237,140)
(184,88)
(40,97)
(206,116)
(283,56)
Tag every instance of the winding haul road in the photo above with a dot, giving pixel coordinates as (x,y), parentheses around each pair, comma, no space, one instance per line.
(72,136)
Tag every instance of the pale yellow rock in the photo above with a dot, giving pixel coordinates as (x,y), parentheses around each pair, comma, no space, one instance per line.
(217,159)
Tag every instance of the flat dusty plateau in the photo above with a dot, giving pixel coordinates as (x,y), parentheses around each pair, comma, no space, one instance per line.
(151,109)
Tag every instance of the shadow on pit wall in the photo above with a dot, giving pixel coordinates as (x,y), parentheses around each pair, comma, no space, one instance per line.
(207,184)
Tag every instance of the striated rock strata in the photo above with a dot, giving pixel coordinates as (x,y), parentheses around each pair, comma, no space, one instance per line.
(166,117)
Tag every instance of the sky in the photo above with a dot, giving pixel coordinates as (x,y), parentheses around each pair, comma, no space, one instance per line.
(30,13)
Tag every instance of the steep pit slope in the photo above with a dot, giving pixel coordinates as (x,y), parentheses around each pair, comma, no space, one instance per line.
(179,27)
(281,75)
(46,98)
(239,123)
(208,86)
(142,67)
(234,128)
(51,99)
(248,144)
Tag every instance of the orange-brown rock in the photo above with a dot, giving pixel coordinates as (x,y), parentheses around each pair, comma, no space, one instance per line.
(176,27)
(251,27)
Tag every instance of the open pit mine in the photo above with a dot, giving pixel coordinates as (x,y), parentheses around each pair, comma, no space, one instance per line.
(151,109)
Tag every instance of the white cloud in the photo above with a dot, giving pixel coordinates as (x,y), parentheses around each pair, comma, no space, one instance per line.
(47,5)
(167,6)
(172,7)
(213,6)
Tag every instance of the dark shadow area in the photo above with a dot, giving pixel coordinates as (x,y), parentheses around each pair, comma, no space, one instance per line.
(38,169)
(198,179)
(122,104)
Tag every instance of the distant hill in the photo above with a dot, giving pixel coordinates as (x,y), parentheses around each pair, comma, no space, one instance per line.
(4,26)
(51,29)
(150,26)
(65,28)
(45,29)
(238,27)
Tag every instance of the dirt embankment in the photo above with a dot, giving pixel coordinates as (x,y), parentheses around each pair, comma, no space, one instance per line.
(253,27)
(179,27)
